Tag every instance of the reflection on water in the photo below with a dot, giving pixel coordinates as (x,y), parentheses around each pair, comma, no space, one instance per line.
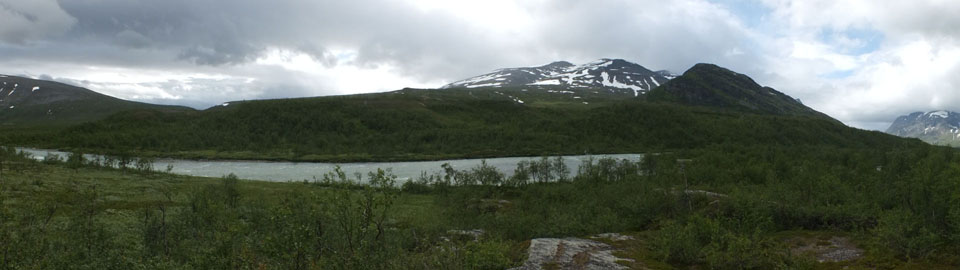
(299,171)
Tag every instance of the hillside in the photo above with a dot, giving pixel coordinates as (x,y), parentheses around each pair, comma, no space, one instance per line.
(935,127)
(26,102)
(416,124)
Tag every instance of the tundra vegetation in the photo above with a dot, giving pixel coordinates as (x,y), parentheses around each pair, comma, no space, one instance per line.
(725,206)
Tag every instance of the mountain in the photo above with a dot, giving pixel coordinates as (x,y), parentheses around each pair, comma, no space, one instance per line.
(604,73)
(29,102)
(709,85)
(707,105)
(936,127)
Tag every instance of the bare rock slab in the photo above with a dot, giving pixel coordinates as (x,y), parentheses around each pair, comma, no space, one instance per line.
(834,249)
(570,253)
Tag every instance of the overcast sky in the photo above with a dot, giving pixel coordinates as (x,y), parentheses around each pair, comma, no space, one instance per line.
(863,62)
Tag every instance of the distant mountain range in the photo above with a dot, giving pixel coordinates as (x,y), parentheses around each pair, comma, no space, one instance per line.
(935,127)
(603,73)
(608,106)
(30,102)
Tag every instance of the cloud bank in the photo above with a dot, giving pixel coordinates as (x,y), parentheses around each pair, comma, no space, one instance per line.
(862,62)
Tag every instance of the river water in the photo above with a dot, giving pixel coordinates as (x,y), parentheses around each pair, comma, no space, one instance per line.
(299,171)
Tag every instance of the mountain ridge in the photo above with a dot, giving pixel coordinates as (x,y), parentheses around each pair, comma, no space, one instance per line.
(602,73)
(31,102)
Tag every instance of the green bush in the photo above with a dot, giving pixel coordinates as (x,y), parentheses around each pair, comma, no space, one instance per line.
(491,255)
(231,191)
(904,234)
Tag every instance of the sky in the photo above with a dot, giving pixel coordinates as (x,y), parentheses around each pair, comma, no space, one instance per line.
(863,62)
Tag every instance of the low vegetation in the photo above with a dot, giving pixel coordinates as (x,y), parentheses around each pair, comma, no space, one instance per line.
(720,207)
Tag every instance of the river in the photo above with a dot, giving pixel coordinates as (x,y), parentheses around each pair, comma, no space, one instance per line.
(299,171)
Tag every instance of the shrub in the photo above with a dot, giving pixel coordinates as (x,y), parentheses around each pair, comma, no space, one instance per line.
(487,255)
(904,234)
(230,191)
(52,158)
(421,185)
(75,160)
(144,164)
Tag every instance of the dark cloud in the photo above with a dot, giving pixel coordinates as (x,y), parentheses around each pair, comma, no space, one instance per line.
(427,45)
(132,39)
(25,21)
(216,33)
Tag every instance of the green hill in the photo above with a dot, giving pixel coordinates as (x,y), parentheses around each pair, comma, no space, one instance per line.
(28,103)
(416,124)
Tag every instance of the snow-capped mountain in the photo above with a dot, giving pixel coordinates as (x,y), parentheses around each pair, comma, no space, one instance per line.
(603,73)
(936,127)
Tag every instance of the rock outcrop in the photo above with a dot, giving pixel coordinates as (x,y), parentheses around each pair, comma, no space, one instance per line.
(572,253)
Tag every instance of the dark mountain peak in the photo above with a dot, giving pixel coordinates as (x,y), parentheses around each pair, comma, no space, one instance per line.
(914,114)
(714,86)
(617,61)
(611,63)
(666,73)
(706,66)
(557,64)
(718,72)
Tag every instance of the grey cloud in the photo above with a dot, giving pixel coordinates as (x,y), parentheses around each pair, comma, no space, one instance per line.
(221,53)
(424,45)
(24,21)
(209,32)
(319,54)
(132,39)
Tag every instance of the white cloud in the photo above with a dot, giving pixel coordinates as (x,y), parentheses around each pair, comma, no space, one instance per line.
(912,69)
(919,75)
(343,76)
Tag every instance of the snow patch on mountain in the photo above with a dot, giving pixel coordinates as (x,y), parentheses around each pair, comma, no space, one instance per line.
(547,82)
(941,114)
